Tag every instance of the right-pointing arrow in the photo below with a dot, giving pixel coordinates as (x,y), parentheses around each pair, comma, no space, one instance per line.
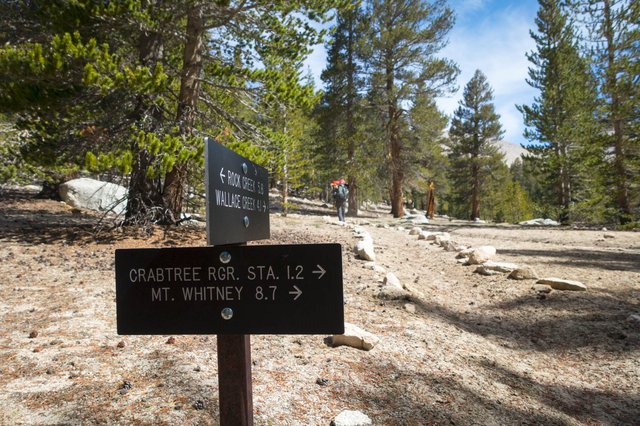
(319,271)
(297,292)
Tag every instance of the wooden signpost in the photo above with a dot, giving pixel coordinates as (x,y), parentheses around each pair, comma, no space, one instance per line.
(230,289)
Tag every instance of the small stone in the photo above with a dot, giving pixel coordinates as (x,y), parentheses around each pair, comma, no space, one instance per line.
(609,236)
(36,350)
(481,255)
(523,273)
(33,334)
(120,344)
(542,288)
(410,307)
(198,405)
(634,318)
(416,230)
(322,381)
(125,387)
(389,292)
(355,337)
(561,284)
(171,341)
(351,418)
(49,371)
(391,280)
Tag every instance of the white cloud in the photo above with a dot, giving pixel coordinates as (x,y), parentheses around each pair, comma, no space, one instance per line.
(494,42)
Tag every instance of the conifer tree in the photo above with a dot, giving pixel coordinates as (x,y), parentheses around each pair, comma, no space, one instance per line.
(561,121)
(341,110)
(473,154)
(404,37)
(613,41)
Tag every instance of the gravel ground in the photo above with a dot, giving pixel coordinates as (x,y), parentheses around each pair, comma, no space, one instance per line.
(460,349)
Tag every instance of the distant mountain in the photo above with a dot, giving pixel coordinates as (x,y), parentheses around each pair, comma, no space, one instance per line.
(511,151)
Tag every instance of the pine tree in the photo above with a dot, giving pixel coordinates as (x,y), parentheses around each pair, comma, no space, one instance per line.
(473,155)
(614,44)
(426,161)
(404,36)
(561,122)
(340,110)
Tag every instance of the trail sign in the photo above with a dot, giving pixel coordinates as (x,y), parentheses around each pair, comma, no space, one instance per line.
(280,289)
(237,196)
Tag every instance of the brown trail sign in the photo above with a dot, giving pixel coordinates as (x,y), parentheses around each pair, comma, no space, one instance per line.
(232,290)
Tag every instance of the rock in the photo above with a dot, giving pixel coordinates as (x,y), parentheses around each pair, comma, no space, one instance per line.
(351,418)
(392,280)
(440,239)
(424,235)
(540,222)
(33,334)
(416,230)
(609,236)
(355,337)
(487,272)
(93,194)
(410,307)
(171,341)
(364,250)
(561,284)
(322,381)
(449,245)
(499,266)
(390,292)
(419,219)
(542,288)
(523,273)
(120,344)
(481,255)
(465,252)
(478,220)
(463,260)
(375,267)
(634,318)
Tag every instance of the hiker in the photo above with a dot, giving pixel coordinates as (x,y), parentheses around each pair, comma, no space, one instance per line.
(340,194)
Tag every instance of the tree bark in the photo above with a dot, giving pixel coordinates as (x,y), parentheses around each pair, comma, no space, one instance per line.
(475,192)
(144,198)
(175,181)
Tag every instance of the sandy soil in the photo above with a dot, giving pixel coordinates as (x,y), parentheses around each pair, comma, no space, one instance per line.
(477,349)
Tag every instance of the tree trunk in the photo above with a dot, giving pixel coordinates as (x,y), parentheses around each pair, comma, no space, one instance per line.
(175,181)
(351,128)
(144,198)
(475,192)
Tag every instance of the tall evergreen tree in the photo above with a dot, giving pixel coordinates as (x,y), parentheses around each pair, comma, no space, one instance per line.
(613,40)
(405,36)
(561,121)
(475,128)
(340,111)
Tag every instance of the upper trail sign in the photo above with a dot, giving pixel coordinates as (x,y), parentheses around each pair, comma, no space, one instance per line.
(237,196)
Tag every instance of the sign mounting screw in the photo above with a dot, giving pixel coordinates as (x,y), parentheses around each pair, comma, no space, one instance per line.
(245,168)
(227,313)
(225,257)
(245,221)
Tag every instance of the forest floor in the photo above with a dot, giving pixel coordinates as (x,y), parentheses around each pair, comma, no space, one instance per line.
(464,349)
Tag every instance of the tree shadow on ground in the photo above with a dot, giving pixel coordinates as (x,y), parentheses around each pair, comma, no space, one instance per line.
(582,258)
(431,398)
(71,227)
(585,405)
(554,322)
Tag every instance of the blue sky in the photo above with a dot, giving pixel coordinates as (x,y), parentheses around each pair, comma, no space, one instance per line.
(493,36)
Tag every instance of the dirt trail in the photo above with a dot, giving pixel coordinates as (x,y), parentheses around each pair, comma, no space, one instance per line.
(477,350)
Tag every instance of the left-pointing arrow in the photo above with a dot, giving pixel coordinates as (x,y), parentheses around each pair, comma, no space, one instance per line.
(222,174)
(319,271)
(297,292)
